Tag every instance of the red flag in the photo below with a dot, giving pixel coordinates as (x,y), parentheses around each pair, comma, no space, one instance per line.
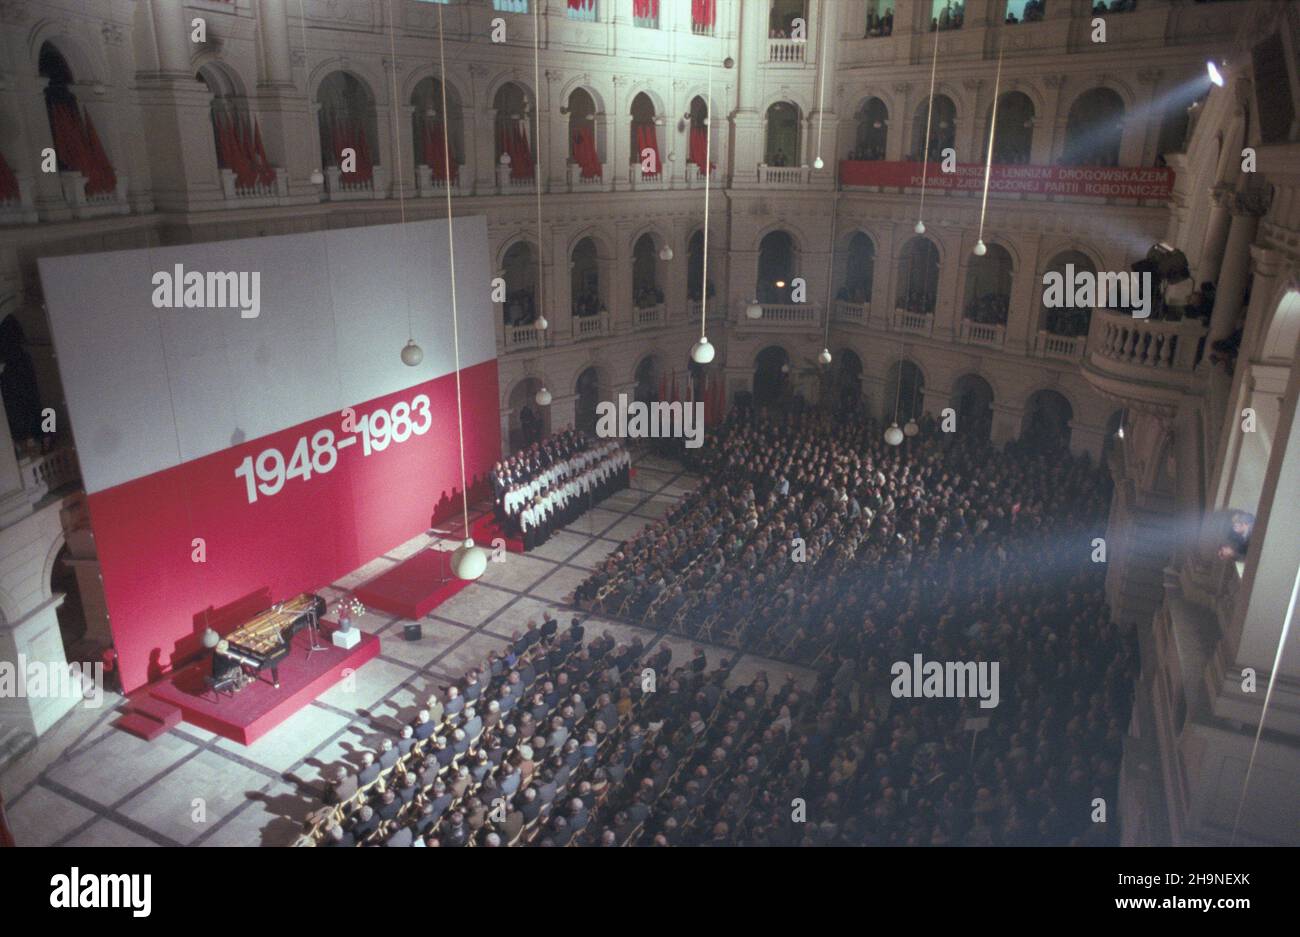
(103,176)
(266,171)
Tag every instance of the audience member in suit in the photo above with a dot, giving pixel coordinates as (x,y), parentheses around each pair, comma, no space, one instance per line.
(341,787)
(424,726)
(369,770)
(388,754)
(337,836)
(406,741)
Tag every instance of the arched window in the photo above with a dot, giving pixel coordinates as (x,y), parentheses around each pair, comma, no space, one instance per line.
(584,279)
(697,150)
(1065,318)
(988,287)
(859,270)
(918,276)
(77,146)
(872,130)
(589,396)
(1026,11)
(529,423)
(782,15)
(349,132)
(434,133)
(904,393)
(584,148)
(519,270)
(880,18)
(645,139)
(972,399)
(776,268)
(947,14)
(782,145)
(235,135)
(1094,129)
(1046,424)
(771,375)
(647,379)
(695,268)
(514,133)
(847,380)
(645,273)
(1013,142)
(943,128)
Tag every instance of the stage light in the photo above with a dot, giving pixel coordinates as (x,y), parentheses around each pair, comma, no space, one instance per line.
(780,284)
(317,177)
(666,253)
(893,435)
(754,310)
(541,324)
(468,561)
(825,356)
(818,163)
(1216,77)
(412,354)
(543,397)
(980,249)
(1119,433)
(910,428)
(920,227)
(702,352)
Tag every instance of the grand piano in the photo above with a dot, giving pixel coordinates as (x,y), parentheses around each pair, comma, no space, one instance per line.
(264,641)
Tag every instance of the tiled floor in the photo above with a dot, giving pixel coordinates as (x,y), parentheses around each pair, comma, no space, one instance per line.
(86,783)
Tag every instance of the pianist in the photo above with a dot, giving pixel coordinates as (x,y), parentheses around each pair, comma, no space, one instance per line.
(226,670)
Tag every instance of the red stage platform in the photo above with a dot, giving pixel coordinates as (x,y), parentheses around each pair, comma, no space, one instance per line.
(486,529)
(260,707)
(414,587)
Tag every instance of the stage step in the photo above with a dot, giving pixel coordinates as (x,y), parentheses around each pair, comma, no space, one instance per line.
(170,716)
(140,725)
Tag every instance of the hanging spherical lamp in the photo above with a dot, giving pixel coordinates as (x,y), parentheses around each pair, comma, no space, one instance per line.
(468,561)
(980,249)
(754,310)
(317,177)
(702,352)
(543,397)
(911,428)
(540,323)
(505,159)
(893,435)
(920,227)
(825,356)
(666,253)
(210,638)
(412,354)
(818,163)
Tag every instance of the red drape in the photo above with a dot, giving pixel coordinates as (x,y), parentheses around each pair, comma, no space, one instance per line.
(584,152)
(514,141)
(102,177)
(581,4)
(345,133)
(645,9)
(6,836)
(265,171)
(79,148)
(702,12)
(698,147)
(645,139)
(436,151)
(8,181)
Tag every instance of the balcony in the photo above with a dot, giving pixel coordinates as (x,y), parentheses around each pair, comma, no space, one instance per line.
(695,176)
(644,181)
(914,323)
(577,182)
(524,336)
(1063,347)
(851,313)
(784,315)
(93,206)
(49,471)
(258,195)
(21,208)
(987,334)
(339,189)
(649,317)
(587,327)
(508,184)
(426,186)
(786,51)
(778,176)
(1142,360)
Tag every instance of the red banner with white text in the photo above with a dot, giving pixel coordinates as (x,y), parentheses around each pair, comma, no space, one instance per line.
(1088,181)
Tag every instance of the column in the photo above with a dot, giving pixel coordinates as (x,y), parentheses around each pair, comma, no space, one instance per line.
(288,121)
(1247,207)
(1216,234)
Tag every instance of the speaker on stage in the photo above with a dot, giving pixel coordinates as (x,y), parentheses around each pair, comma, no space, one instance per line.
(413,632)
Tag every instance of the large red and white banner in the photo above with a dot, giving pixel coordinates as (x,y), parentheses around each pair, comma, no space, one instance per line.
(1089,181)
(231,461)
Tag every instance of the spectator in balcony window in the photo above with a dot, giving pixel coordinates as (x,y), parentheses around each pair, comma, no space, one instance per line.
(1238,539)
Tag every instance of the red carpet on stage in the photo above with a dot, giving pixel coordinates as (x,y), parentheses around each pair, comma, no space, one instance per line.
(260,707)
(486,529)
(414,587)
